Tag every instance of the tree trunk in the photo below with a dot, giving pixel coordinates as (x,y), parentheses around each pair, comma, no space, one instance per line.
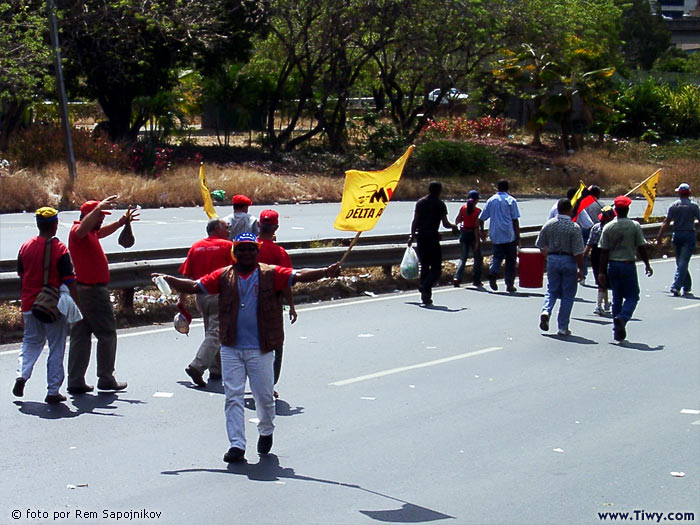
(118,109)
(10,117)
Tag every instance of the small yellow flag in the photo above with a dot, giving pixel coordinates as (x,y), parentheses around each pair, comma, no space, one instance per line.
(366,194)
(579,192)
(648,189)
(206,196)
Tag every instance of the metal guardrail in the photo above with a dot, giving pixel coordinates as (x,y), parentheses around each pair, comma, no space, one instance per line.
(389,252)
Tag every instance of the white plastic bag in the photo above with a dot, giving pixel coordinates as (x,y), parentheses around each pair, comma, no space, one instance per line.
(409,264)
(67,306)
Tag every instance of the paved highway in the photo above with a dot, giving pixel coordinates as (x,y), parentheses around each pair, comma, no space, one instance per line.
(179,227)
(389,412)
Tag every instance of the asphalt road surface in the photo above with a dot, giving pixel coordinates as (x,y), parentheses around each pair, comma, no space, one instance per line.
(180,227)
(389,413)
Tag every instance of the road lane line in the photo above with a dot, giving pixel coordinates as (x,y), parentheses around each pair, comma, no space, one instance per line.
(687,307)
(413,367)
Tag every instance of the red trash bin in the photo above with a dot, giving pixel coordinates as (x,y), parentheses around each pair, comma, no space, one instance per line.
(531,268)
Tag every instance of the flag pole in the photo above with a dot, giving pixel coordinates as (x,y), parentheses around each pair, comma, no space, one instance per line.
(353,243)
(642,183)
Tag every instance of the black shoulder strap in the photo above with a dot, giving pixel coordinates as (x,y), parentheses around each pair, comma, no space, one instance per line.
(47,259)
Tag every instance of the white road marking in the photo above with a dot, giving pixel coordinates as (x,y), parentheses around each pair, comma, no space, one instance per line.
(413,367)
(690,411)
(163,394)
(688,307)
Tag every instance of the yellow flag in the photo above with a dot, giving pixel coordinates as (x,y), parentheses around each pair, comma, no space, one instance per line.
(579,192)
(206,196)
(366,194)
(648,189)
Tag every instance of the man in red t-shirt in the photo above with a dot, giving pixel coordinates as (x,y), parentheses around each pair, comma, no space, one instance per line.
(30,267)
(469,239)
(273,253)
(249,298)
(205,256)
(92,272)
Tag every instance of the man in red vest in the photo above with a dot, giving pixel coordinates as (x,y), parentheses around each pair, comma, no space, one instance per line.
(251,327)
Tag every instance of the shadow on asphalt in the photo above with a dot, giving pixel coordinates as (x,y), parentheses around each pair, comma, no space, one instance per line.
(85,404)
(268,469)
(518,294)
(438,307)
(576,339)
(593,321)
(643,347)
(214,387)
(282,408)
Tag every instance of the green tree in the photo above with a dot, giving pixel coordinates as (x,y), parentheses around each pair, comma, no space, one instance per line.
(25,62)
(644,35)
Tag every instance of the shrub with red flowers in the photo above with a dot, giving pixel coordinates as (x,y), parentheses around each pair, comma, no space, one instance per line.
(150,159)
(462,128)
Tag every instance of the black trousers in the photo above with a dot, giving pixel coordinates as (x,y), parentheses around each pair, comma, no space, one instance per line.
(430,258)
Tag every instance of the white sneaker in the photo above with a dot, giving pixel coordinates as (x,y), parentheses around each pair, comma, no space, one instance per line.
(598,310)
(564,333)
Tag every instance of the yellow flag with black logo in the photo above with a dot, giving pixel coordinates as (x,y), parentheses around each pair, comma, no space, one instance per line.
(366,194)
(206,195)
(648,189)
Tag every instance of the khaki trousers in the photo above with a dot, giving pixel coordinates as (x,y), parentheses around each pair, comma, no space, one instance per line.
(209,354)
(98,319)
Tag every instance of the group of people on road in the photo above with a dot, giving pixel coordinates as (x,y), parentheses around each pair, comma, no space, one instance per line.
(239,282)
(573,233)
(240,277)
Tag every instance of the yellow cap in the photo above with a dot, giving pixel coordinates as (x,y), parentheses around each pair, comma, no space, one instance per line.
(46,213)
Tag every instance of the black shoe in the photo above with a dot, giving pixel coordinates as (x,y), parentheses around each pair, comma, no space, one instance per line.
(214,377)
(478,284)
(82,389)
(425,297)
(53,399)
(234,455)
(264,444)
(512,289)
(675,293)
(110,385)
(18,389)
(196,376)
(619,331)
(455,283)
(544,321)
(492,282)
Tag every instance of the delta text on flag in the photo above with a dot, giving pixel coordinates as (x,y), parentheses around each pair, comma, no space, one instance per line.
(206,195)
(648,189)
(366,194)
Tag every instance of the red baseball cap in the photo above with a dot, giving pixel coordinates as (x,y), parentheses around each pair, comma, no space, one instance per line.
(241,199)
(88,206)
(622,201)
(269,217)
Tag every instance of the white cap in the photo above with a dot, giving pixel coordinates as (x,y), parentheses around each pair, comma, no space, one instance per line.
(684,187)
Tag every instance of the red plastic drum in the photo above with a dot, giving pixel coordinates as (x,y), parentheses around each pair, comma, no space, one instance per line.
(531,268)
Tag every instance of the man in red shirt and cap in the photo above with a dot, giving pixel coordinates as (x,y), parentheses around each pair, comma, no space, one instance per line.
(240,221)
(272,253)
(204,257)
(92,273)
(622,239)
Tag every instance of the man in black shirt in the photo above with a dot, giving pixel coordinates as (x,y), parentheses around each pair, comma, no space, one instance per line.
(430,212)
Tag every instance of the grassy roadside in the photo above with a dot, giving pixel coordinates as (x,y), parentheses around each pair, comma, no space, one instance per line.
(318,177)
(150,308)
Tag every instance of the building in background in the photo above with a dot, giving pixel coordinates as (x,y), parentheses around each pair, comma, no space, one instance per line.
(677,8)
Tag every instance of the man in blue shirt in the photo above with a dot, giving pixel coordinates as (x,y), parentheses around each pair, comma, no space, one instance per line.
(504,230)
(683,213)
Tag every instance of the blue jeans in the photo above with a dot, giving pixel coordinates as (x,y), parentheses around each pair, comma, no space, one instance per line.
(684,244)
(562,285)
(36,334)
(509,252)
(624,284)
(467,240)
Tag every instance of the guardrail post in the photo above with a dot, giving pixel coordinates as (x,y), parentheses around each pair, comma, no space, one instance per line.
(126,299)
(387,270)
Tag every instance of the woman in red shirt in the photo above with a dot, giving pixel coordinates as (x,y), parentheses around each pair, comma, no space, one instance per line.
(468,221)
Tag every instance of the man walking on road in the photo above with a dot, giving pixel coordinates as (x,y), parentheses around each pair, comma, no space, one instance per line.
(621,238)
(561,242)
(204,257)
(31,261)
(251,327)
(92,272)
(429,213)
(504,229)
(683,213)
(273,253)
(240,221)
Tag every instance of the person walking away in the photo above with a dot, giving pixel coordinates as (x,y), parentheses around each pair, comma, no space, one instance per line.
(469,239)
(682,214)
(504,229)
(92,273)
(585,214)
(31,261)
(240,221)
(205,256)
(621,238)
(430,211)
(251,327)
(561,242)
(273,253)
(555,210)
(593,251)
